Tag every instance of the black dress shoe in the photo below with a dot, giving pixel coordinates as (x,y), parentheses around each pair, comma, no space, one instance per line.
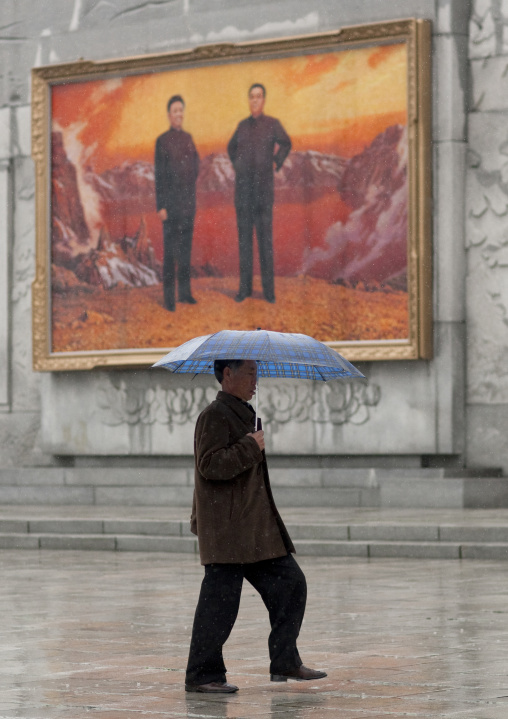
(212,688)
(241,296)
(169,307)
(302,674)
(188,300)
(271,300)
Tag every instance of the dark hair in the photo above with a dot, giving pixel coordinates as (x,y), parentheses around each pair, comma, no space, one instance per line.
(220,365)
(173,99)
(257,84)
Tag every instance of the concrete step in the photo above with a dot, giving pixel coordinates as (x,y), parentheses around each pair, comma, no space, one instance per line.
(307,487)
(319,548)
(370,539)
(302,531)
(292,487)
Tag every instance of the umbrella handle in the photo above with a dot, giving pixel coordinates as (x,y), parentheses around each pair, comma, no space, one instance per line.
(259,424)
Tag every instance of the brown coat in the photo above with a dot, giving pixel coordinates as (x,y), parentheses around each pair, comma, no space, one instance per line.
(233,511)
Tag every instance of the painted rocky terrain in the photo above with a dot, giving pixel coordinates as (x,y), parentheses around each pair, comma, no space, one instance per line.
(340,230)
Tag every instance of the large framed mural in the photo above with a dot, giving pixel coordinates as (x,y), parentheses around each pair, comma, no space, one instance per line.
(283,185)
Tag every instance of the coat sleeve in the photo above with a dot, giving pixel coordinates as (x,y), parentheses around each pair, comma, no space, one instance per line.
(283,141)
(160,172)
(216,458)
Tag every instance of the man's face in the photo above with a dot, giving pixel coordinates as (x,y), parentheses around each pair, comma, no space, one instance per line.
(242,381)
(256,101)
(175,115)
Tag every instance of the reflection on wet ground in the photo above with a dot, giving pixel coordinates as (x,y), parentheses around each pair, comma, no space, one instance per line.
(85,633)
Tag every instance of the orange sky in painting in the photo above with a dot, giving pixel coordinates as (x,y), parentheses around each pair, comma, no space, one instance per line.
(334,102)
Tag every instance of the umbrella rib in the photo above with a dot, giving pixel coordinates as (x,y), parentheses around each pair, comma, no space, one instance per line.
(320,373)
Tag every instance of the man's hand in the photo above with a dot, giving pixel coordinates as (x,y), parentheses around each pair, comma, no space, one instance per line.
(163,214)
(259,437)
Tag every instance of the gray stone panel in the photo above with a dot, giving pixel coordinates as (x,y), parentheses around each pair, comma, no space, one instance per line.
(399,533)
(76,542)
(498,552)
(449,367)
(489,84)
(18,541)
(487,436)
(415,551)
(19,440)
(24,18)
(450,88)
(449,246)
(486,493)
(156,544)
(88,413)
(17,57)
(22,131)
(50,476)
(144,496)
(330,549)
(128,477)
(25,382)
(144,527)
(485,28)
(320,532)
(422,493)
(45,495)
(468,534)
(452,16)
(5,136)
(63,526)
(487,279)
(11,526)
(5,231)
(316,497)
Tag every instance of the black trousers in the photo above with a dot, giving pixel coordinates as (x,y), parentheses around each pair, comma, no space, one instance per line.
(248,217)
(282,586)
(177,252)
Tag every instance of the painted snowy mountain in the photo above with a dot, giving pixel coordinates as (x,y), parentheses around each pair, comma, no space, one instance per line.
(129,261)
(304,175)
(371,246)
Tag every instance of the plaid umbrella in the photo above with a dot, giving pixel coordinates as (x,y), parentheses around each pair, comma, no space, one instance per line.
(278,354)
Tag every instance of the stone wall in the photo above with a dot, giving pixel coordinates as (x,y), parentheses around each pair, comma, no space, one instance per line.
(411,408)
(487,236)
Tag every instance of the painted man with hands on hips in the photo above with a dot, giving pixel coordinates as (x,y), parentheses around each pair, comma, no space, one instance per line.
(241,536)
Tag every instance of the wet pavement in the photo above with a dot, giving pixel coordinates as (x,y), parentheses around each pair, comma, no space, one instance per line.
(106,634)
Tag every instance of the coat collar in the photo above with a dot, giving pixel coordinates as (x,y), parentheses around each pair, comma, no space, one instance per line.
(241,408)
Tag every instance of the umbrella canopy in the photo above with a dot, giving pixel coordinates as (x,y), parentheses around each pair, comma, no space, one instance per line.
(278,354)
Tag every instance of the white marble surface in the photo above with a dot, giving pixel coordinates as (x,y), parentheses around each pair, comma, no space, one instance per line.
(487,266)
(420,405)
(25,382)
(489,84)
(154,414)
(450,87)
(4,282)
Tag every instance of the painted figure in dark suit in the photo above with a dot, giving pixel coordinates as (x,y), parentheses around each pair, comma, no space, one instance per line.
(176,172)
(259,143)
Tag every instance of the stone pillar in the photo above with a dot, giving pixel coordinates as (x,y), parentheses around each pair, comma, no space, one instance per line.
(450,92)
(5,227)
(487,237)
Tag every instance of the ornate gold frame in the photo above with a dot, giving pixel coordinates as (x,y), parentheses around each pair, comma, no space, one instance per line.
(415,33)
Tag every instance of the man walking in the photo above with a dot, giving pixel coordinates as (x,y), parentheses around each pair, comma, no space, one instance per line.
(258,144)
(176,172)
(241,535)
